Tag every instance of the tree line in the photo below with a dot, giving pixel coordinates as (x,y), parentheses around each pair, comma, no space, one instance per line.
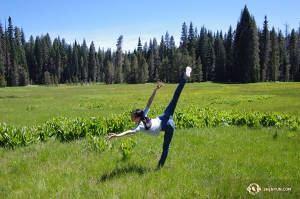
(247,54)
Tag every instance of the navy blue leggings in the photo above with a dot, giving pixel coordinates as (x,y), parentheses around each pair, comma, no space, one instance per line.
(168,125)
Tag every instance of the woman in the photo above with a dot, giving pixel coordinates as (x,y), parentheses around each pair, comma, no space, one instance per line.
(163,122)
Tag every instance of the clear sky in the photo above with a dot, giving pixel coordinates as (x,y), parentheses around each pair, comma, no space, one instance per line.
(103,21)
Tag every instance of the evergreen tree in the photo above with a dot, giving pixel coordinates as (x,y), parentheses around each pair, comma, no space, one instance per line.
(229,54)
(246,49)
(220,54)
(92,63)
(139,44)
(119,60)
(274,55)
(57,59)
(294,57)
(11,58)
(100,55)
(198,71)
(264,47)
(84,62)
(142,69)
(127,69)
(184,37)
(109,71)
(156,59)
(191,39)
(151,67)
(47,63)
(145,50)
(209,61)
(30,59)
(172,42)
(167,41)
(162,49)
(134,69)
(2,68)
(20,60)
(283,59)
(38,75)
(164,72)
(75,64)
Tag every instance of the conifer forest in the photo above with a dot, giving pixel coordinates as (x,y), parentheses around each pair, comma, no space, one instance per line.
(246,54)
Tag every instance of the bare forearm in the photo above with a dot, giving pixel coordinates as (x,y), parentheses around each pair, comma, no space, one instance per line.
(113,135)
(151,97)
(124,133)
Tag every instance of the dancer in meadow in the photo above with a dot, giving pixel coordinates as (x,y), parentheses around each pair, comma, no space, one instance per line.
(163,122)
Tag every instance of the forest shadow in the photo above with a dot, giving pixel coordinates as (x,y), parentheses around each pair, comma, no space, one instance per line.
(124,170)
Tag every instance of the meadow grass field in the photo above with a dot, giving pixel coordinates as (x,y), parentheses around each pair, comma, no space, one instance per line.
(212,162)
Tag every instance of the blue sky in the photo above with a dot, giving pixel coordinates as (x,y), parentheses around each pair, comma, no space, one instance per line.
(104,21)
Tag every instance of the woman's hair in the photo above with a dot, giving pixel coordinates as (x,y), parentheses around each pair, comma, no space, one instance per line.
(146,120)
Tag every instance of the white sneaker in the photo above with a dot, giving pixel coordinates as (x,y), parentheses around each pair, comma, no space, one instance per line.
(188,71)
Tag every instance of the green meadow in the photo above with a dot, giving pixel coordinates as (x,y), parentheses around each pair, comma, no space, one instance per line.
(206,162)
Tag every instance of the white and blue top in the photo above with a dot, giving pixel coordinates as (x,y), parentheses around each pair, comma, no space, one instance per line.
(155,125)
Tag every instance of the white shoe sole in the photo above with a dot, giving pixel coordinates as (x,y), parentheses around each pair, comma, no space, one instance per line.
(188,71)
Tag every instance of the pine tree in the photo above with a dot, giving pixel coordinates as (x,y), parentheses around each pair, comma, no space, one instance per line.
(20,60)
(264,53)
(84,58)
(151,67)
(142,69)
(38,75)
(229,54)
(134,69)
(283,59)
(119,60)
(109,72)
(2,68)
(75,64)
(29,53)
(184,37)
(100,55)
(139,44)
(198,71)
(127,68)
(156,59)
(274,55)
(209,61)
(92,63)
(164,71)
(167,41)
(57,59)
(220,54)
(191,39)
(246,49)
(172,42)
(294,61)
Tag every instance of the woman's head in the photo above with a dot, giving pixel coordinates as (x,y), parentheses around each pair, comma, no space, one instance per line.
(137,115)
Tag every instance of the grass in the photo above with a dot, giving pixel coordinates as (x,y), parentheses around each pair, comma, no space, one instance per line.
(203,163)
(36,104)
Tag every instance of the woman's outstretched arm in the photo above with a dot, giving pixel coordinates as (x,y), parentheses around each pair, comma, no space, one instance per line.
(159,84)
(113,135)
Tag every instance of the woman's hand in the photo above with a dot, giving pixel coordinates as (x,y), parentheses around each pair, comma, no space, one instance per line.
(159,84)
(111,135)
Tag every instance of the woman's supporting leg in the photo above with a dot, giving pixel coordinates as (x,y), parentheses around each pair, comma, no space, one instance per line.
(169,132)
